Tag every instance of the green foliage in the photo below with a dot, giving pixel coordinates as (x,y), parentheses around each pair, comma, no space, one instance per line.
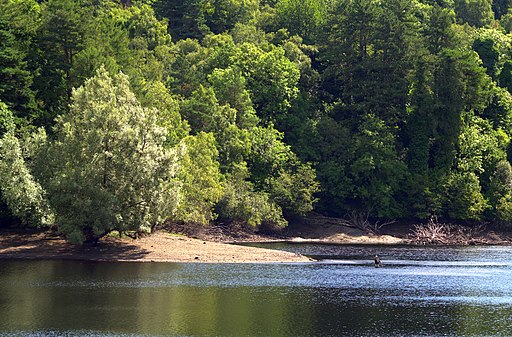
(302,17)
(273,80)
(108,169)
(501,192)
(293,190)
(240,203)
(505,78)
(480,147)
(22,194)
(461,86)
(157,96)
(203,112)
(15,78)
(462,196)
(6,119)
(335,154)
(476,13)
(230,88)
(506,22)
(499,110)
(222,15)
(60,37)
(268,154)
(438,30)
(197,18)
(200,177)
(500,8)
(488,53)
(403,106)
(377,171)
(183,15)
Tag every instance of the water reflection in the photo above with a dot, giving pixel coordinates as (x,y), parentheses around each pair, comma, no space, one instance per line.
(419,291)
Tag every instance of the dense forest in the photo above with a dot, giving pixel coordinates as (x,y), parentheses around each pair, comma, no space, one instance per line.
(122,115)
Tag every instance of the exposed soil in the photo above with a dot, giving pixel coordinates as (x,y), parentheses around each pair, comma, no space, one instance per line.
(211,244)
(182,244)
(159,247)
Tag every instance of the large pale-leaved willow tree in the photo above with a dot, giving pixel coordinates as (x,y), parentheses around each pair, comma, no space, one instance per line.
(109,168)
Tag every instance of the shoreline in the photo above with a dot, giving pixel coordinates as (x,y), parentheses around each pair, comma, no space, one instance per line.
(159,247)
(211,246)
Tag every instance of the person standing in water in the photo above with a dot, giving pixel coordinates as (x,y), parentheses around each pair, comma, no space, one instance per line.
(377,261)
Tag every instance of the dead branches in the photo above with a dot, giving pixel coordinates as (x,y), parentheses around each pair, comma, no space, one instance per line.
(360,220)
(447,234)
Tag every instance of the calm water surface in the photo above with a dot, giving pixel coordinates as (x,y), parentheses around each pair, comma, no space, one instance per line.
(443,291)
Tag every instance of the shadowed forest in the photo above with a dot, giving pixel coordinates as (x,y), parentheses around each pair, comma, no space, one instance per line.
(127,115)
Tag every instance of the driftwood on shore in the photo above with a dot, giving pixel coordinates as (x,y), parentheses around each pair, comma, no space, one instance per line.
(450,234)
(357,220)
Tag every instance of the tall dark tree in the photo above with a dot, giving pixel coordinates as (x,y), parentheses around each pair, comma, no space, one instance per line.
(488,53)
(437,30)
(18,22)
(369,55)
(505,78)
(420,123)
(477,13)
(15,78)
(59,39)
(500,8)
(184,17)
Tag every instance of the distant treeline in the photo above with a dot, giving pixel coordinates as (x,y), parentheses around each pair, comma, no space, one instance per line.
(122,115)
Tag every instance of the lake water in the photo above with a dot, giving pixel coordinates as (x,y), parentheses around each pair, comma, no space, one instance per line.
(442,291)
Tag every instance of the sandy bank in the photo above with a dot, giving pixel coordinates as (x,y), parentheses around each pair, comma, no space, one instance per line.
(159,247)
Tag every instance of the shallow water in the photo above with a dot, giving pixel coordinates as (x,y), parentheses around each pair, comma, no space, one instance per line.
(420,291)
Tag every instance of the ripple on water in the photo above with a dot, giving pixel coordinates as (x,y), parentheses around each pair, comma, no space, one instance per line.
(418,292)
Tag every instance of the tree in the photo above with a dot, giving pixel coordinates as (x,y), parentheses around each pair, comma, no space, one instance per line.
(222,15)
(203,112)
(501,192)
(499,110)
(294,189)
(376,171)
(438,31)
(460,86)
(23,195)
(500,8)
(15,78)
(60,37)
(419,138)
(488,53)
(462,196)
(240,203)
(157,96)
(108,169)
(505,78)
(230,88)
(273,83)
(19,190)
(368,57)
(200,177)
(477,13)
(302,18)
(183,15)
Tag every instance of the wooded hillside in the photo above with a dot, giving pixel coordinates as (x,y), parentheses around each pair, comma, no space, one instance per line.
(121,115)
